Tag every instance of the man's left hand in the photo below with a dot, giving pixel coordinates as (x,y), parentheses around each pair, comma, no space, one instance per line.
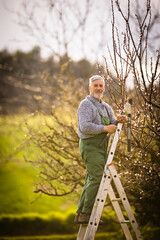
(122,118)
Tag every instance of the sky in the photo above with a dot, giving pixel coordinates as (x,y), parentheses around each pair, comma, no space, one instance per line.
(13,36)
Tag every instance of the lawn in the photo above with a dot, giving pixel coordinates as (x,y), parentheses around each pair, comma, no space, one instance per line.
(17,177)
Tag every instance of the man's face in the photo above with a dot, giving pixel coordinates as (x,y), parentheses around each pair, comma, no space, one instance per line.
(97,89)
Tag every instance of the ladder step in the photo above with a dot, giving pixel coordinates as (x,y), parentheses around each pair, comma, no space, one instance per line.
(115,199)
(125,221)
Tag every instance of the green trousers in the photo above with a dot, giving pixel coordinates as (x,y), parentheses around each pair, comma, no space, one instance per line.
(95,158)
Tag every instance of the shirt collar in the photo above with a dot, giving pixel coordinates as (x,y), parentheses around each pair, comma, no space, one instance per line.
(94,100)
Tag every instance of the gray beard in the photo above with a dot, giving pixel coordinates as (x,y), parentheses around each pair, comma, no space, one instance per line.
(98,96)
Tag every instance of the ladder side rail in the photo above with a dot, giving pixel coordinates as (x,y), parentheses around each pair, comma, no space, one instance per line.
(102,193)
(102,186)
(114,144)
(97,210)
(109,160)
(119,213)
(98,204)
(81,232)
(125,202)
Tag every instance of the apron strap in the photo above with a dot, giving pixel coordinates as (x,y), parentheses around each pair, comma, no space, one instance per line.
(98,109)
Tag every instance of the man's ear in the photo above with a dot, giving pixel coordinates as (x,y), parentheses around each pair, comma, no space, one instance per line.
(89,88)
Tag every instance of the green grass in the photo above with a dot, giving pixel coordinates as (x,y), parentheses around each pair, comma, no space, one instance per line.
(16,192)
(17,177)
(99,236)
(52,237)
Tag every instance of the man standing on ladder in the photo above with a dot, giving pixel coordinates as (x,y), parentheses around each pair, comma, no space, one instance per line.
(95,121)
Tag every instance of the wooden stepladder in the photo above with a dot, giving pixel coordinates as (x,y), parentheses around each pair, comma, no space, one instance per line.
(87,232)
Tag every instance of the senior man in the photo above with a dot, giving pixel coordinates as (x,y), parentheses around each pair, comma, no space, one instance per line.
(95,119)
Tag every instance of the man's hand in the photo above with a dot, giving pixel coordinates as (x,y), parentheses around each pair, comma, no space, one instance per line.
(110,128)
(121,119)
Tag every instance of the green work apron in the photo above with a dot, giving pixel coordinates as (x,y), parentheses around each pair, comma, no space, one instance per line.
(95,158)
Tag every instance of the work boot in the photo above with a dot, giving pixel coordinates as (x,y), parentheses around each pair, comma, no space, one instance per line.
(83,218)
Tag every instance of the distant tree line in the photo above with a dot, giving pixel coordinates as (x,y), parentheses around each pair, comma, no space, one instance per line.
(26,79)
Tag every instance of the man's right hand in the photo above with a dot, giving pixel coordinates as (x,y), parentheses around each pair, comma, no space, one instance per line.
(110,128)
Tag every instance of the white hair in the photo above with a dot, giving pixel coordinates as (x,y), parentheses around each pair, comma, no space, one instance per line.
(95,77)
